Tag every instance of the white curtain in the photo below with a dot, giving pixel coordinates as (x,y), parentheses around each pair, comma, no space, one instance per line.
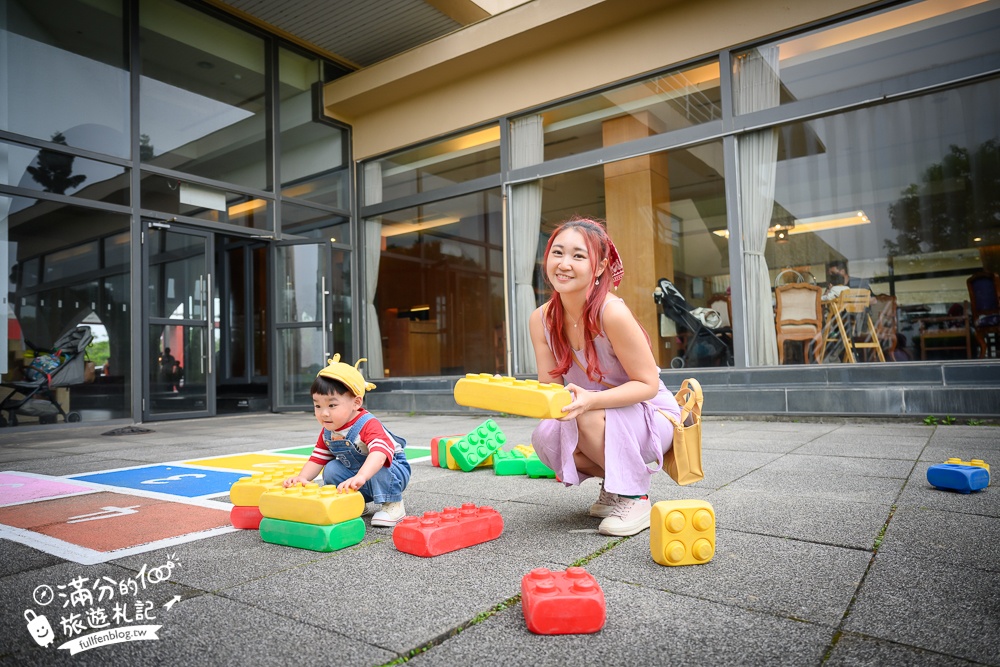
(757,86)
(527,148)
(373,253)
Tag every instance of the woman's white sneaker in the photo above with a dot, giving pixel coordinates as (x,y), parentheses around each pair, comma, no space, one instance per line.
(629,516)
(605,504)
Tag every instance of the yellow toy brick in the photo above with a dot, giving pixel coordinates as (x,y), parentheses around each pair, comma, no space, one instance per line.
(528,398)
(318,505)
(246,491)
(527,450)
(682,532)
(979,463)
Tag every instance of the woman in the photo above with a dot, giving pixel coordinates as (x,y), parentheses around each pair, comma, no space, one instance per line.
(591,342)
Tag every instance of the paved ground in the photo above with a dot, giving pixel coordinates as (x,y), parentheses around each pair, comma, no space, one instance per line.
(831,549)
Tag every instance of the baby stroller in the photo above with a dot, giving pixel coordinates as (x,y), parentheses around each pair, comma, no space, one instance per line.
(62,366)
(710,343)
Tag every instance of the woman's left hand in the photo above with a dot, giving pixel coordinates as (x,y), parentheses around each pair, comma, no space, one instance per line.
(583,400)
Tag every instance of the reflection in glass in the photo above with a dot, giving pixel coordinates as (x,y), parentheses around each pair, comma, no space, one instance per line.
(663,212)
(899,199)
(666,102)
(69,82)
(202,97)
(313,152)
(170,195)
(912,39)
(456,160)
(60,279)
(47,170)
(305,222)
(439,301)
(300,358)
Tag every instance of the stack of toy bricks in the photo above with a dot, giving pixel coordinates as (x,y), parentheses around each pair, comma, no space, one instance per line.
(245,495)
(312,517)
(470,451)
(521,460)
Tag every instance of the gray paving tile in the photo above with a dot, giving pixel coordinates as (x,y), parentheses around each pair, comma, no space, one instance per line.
(19,558)
(72,464)
(17,596)
(861,446)
(838,465)
(439,593)
(788,578)
(933,605)
(827,521)
(853,650)
(839,487)
(945,537)
(643,627)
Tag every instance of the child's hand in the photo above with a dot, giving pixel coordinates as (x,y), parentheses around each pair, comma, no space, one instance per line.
(293,481)
(352,484)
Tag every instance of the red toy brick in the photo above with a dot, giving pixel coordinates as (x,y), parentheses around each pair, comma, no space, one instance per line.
(562,603)
(246,517)
(452,528)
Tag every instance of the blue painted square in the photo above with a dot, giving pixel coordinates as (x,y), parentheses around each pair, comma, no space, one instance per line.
(175,480)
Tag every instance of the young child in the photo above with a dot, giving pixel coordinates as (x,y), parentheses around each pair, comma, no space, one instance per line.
(354,450)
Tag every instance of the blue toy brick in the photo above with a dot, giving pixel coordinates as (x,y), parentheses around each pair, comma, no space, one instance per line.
(964,479)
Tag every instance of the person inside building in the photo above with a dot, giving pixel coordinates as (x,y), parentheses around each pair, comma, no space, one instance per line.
(355,451)
(589,340)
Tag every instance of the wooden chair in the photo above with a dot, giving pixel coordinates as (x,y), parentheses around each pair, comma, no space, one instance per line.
(851,315)
(885,315)
(799,317)
(984,288)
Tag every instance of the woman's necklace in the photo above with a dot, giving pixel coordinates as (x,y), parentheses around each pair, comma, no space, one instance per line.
(575,322)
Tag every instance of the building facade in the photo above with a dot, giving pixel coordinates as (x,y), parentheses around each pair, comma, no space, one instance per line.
(225,208)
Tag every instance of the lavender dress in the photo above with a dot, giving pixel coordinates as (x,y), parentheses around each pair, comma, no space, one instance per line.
(635,436)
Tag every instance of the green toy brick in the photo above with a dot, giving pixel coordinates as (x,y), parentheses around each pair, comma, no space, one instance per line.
(443,445)
(478,445)
(536,469)
(310,536)
(509,463)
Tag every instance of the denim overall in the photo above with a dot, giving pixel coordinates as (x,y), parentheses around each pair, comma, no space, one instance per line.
(385,486)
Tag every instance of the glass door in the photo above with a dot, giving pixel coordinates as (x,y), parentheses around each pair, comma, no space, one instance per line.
(302,320)
(181,336)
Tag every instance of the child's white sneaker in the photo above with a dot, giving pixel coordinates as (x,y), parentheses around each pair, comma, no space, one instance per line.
(389,515)
(369,509)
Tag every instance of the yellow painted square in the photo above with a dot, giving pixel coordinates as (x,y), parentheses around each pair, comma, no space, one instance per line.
(251,462)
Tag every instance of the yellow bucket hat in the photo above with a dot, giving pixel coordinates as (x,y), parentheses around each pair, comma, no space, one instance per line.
(347,374)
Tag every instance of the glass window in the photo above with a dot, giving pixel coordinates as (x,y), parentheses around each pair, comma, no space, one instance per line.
(899,200)
(440,300)
(313,151)
(202,95)
(170,195)
(663,212)
(47,170)
(302,221)
(902,41)
(60,279)
(459,159)
(66,78)
(670,101)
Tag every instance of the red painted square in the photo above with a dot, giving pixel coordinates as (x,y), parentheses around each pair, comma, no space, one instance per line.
(109,521)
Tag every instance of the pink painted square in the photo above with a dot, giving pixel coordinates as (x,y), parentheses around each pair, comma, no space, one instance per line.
(16,488)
